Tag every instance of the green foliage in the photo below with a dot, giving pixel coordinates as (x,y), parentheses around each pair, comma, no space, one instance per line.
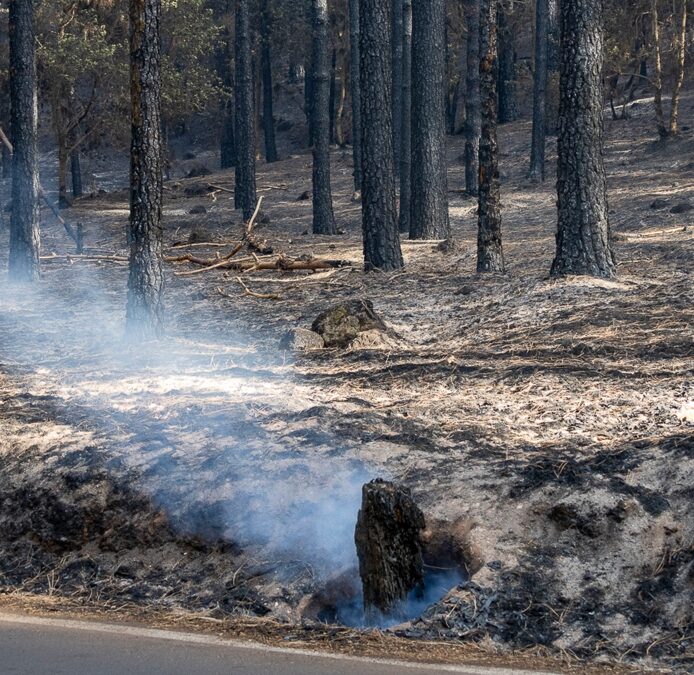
(189,38)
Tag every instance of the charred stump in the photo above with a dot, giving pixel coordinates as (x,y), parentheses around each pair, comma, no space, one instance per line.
(389,547)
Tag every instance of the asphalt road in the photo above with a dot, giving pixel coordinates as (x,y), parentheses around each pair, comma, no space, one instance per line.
(39,646)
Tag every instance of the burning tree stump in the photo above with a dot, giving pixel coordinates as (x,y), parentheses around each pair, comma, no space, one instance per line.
(389,547)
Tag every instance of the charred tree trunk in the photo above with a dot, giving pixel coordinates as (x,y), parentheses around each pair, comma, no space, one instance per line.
(680,55)
(508,107)
(144,313)
(658,75)
(429,170)
(266,66)
(245,189)
(583,245)
(356,91)
(473,119)
(537,150)
(63,158)
(490,256)
(24,220)
(396,42)
(333,97)
(224,67)
(379,215)
(76,173)
(388,537)
(553,58)
(406,120)
(5,124)
(323,216)
(308,101)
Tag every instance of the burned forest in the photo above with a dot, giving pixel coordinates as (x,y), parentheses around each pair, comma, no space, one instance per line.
(361,328)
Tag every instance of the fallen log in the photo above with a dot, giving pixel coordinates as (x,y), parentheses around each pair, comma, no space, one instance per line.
(281,263)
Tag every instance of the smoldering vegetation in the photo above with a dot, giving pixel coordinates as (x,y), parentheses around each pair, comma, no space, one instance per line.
(546,424)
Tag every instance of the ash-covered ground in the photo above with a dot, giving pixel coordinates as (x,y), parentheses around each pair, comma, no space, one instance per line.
(550,422)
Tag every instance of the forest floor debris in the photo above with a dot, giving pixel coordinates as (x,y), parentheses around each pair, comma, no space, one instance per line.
(217,475)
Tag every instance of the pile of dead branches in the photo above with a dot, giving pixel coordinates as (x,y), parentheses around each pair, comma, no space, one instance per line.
(260,257)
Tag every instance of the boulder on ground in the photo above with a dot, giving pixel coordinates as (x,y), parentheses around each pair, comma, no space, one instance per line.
(341,324)
(198,170)
(300,339)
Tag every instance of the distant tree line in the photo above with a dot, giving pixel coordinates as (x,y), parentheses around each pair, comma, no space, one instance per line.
(390,77)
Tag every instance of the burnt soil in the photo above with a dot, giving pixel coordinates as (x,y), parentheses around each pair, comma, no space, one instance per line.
(215,475)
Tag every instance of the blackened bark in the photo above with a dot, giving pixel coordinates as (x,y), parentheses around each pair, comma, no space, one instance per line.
(429,171)
(76,173)
(490,256)
(388,537)
(227,145)
(680,59)
(583,245)
(406,121)
(396,42)
(333,96)
(473,119)
(323,216)
(224,66)
(308,101)
(266,66)
(379,215)
(508,107)
(537,149)
(144,313)
(5,124)
(245,189)
(356,91)
(24,220)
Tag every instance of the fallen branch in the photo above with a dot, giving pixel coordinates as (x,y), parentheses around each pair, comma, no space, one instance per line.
(71,257)
(249,292)
(219,188)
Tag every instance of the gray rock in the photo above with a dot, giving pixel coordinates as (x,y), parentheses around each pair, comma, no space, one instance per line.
(341,324)
(300,339)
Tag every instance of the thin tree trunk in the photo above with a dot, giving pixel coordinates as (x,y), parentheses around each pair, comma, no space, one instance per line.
(379,215)
(681,55)
(429,170)
(490,255)
(583,245)
(63,157)
(268,108)
(406,121)
(658,74)
(308,101)
(24,220)
(356,91)
(245,189)
(323,216)
(508,106)
(144,312)
(224,66)
(76,173)
(333,95)
(537,150)
(473,120)
(340,104)
(396,42)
